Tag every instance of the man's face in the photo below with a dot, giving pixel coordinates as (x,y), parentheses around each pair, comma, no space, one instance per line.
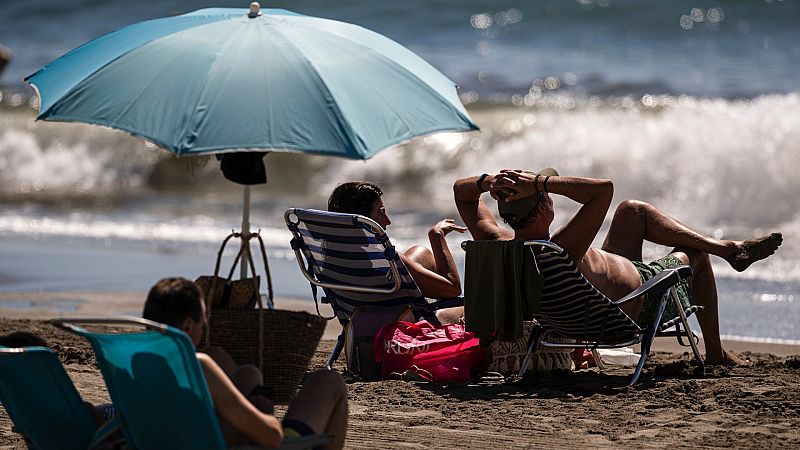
(378,214)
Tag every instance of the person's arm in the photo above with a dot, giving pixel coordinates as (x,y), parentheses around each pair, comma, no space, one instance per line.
(262,429)
(594,194)
(473,211)
(443,281)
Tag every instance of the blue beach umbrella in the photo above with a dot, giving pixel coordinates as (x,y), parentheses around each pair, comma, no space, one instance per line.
(223,80)
(220,80)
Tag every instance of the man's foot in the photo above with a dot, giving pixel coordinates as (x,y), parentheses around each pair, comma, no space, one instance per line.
(754,250)
(728,359)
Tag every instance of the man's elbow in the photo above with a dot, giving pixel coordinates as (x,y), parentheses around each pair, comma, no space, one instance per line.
(607,189)
(454,290)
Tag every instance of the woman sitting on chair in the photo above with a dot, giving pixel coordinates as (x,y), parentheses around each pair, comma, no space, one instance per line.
(434,270)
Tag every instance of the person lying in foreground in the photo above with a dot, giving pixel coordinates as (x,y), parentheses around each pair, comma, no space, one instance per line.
(434,270)
(616,268)
(245,415)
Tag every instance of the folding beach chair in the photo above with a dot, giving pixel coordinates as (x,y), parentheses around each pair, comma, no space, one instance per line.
(570,307)
(351,258)
(157,386)
(43,403)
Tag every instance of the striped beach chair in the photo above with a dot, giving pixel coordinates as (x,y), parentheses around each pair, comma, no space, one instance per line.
(352,259)
(570,307)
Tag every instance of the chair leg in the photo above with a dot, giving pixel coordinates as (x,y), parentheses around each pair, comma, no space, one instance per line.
(337,350)
(536,334)
(674,294)
(597,360)
(647,338)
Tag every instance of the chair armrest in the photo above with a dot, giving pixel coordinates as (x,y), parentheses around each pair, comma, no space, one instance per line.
(659,283)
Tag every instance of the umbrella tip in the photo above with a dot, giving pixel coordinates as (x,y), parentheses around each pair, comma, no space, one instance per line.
(255,10)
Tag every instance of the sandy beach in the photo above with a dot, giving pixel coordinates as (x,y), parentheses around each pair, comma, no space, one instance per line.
(676,404)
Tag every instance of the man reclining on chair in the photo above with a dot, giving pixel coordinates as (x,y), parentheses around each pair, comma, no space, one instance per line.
(320,406)
(616,268)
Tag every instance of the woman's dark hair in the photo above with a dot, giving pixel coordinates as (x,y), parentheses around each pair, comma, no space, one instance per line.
(355,197)
(173,300)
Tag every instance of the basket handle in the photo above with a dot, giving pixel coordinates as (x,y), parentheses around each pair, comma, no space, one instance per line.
(214,285)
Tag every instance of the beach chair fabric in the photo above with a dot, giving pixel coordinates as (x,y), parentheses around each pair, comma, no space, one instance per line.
(571,307)
(41,400)
(353,253)
(157,385)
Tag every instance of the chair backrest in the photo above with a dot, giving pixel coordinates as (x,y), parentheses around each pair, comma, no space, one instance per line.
(347,255)
(41,400)
(569,304)
(158,388)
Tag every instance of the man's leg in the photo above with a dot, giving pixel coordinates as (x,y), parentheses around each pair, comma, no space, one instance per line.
(635,221)
(322,405)
(704,292)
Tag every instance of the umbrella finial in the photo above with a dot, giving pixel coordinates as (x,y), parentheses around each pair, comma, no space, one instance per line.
(255,10)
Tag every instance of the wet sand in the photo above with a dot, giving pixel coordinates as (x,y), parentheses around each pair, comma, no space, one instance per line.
(675,404)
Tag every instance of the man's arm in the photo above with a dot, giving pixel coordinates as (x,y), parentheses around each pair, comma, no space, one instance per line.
(262,429)
(594,194)
(473,211)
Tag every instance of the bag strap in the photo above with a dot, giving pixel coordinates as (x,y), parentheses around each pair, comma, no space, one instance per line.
(247,255)
(214,285)
(270,297)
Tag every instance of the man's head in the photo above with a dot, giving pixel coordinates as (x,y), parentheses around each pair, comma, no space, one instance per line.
(519,213)
(177,302)
(359,197)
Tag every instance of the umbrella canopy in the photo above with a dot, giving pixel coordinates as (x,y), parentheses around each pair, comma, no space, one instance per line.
(217,80)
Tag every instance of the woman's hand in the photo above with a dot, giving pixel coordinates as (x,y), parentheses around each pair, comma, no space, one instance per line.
(445,226)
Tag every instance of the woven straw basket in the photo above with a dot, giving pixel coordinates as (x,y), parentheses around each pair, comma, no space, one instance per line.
(290,340)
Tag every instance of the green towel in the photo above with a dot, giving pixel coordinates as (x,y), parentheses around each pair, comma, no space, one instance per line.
(501,287)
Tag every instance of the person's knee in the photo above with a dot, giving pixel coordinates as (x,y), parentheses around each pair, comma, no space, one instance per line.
(422,256)
(632,208)
(698,260)
(329,379)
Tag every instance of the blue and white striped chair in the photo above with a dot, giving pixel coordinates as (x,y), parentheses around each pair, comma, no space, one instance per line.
(570,307)
(351,258)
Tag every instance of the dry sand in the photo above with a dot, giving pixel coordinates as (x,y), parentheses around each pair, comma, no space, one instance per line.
(675,404)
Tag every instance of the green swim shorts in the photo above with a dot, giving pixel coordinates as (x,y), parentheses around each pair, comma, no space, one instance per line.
(650,307)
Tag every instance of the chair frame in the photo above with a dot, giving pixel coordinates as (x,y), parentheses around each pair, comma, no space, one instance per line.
(663,282)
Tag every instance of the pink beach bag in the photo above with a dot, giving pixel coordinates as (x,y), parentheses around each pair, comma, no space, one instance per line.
(448,352)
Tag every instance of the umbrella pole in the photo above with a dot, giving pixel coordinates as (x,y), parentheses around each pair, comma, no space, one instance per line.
(245,226)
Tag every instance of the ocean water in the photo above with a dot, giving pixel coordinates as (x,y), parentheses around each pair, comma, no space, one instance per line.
(693,106)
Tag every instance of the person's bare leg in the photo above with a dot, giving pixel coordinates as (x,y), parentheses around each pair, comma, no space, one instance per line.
(634,220)
(322,404)
(704,292)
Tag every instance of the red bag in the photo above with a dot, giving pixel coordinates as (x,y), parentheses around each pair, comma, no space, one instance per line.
(446,351)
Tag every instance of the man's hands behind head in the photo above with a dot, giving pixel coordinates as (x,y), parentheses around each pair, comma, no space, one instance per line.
(513,184)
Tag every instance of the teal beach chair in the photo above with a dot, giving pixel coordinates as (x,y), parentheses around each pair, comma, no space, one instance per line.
(157,386)
(43,403)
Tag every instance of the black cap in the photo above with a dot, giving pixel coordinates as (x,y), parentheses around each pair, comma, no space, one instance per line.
(518,210)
